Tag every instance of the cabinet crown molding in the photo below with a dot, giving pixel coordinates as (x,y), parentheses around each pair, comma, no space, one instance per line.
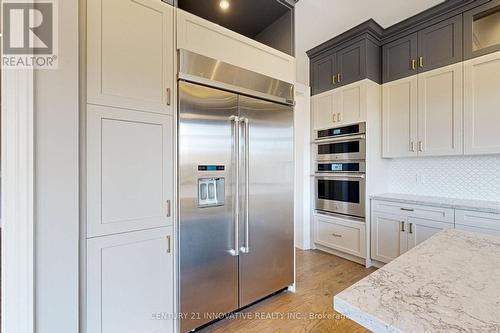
(367,29)
(380,35)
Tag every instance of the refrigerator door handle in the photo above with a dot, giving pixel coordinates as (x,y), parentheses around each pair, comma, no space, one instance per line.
(236,181)
(246,247)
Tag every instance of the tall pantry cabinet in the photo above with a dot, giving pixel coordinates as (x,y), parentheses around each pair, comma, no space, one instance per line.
(129,159)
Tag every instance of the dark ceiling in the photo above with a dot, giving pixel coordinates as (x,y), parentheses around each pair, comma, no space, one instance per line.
(247,17)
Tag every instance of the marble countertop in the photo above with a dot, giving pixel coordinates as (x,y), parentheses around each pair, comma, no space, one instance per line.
(449,283)
(476,205)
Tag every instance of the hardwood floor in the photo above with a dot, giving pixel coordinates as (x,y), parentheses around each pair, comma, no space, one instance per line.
(319,277)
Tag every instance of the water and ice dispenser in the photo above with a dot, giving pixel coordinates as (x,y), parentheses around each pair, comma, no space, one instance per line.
(211,192)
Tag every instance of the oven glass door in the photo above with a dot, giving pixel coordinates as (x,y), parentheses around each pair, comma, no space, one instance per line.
(341,150)
(342,194)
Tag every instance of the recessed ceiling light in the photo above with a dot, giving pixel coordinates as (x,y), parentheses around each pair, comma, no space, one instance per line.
(224,4)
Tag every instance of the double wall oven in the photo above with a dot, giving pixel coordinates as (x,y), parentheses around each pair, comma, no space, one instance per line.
(340,170)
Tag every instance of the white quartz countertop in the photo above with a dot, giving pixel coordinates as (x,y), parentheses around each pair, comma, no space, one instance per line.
(476,205)
(449,283)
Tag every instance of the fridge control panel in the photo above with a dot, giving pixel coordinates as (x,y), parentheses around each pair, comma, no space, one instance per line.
(211,192)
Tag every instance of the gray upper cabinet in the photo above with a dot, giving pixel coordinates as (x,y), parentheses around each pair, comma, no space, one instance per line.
(350,57)
(440,44)
(351,65)
(323,74)
(482,30)
(400,58)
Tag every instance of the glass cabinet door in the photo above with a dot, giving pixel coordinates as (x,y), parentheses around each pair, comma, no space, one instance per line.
(482,30)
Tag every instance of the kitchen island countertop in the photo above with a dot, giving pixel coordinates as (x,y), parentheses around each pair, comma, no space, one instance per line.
(449,283)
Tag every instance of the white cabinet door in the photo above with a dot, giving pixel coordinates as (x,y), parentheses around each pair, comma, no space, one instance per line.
(323,110)
(341,106)
(419,230)
(129,170)
(485,223)
(130,286)
(400,118)
(440,109)
(352,100)
(341,234)
(482,104)
(130,51)
(388,236)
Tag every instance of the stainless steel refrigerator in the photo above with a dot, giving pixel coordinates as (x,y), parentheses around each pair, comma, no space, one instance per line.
(235,190)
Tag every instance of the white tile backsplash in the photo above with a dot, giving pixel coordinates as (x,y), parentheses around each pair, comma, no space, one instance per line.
(464,177)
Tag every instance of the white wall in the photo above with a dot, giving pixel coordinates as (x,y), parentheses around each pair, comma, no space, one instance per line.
(465,177)
(302,136)
(56,183)
(317,21)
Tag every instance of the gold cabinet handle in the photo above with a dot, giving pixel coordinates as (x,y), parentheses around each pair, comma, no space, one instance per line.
(411,228)
(169,248)
(168,96)
(168,208)
(333,79)
(339,117)
(339,77)
(337,235)
(420,146)
(413,64)
(402,226)
(334,118)
(421,61)
(412,146)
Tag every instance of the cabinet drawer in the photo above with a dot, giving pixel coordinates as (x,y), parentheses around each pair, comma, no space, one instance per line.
(341,234)
(425,212)
(477,222)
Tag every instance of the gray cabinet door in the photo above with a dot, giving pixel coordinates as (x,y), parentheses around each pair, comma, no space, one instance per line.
(397,58)
(351,64)
(440,44)
(323,71)
(481,35)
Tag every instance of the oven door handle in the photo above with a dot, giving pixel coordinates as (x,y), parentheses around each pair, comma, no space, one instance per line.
(341,175)
(341,139)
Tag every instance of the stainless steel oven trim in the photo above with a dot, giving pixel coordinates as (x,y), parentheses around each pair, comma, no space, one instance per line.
(362,130)
(362,167)
(341,207)
(361,155)
(341,138)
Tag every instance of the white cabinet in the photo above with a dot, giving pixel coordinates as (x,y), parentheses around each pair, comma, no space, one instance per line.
(130,54)
(440,108)
(422,115)
(482,104)
(486,223)
(130,282)
(418,230)
(203,37)
(341,106)
(397,228)
(341,234)
(129,170)
(388,238)
(399,105)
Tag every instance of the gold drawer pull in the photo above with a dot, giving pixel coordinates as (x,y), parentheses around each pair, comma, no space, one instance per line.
(168,96)
(413,64)
(169,249)
(337,235)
